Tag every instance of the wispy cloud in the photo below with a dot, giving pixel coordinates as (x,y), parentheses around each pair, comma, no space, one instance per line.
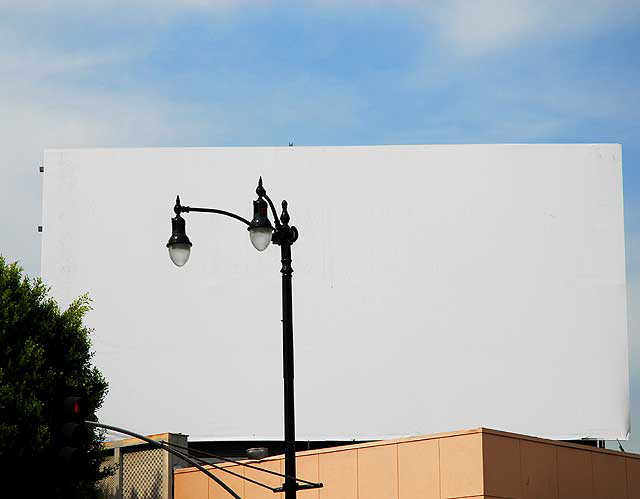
(130,4)
(152,8)
(477,28)
(39,61)
(483,27)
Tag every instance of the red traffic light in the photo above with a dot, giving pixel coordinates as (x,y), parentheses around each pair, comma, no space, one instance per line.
(74,409)
(73,436)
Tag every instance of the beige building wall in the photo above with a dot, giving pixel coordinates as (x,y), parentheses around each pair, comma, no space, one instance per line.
(474,464)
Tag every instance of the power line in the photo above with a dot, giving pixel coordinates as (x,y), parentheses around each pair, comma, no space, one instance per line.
(209,454)
(168,449)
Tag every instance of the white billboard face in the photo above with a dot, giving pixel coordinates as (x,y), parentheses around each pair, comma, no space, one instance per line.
(435,288)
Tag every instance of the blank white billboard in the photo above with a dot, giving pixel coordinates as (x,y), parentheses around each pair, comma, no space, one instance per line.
(435,288)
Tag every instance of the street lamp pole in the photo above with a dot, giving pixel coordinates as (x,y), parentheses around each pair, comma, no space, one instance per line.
(261,233)
(290,484)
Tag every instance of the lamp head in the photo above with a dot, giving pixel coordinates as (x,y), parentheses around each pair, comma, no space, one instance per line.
(260,228)
(179,245)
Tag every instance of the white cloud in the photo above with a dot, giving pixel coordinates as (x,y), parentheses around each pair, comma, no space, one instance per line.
(462,27)
(480,27)
(476,28)
(42,61)
(133,5)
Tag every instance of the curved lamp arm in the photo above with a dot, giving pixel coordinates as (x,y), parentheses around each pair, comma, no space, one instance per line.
(187,209)
(276,220)
(178,208)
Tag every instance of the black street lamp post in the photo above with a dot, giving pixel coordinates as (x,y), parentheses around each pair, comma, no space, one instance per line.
(261,233)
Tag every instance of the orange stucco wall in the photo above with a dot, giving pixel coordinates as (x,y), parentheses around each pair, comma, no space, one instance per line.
(474,464)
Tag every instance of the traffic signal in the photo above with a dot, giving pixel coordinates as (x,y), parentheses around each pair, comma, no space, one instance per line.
(73,434)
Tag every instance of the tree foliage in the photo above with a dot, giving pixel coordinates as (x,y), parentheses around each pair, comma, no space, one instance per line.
(44,356)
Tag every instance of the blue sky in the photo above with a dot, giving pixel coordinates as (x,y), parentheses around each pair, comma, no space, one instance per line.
(261,72)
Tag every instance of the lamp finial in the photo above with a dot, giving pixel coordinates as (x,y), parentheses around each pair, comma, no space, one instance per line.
(260,190)
(284,218)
